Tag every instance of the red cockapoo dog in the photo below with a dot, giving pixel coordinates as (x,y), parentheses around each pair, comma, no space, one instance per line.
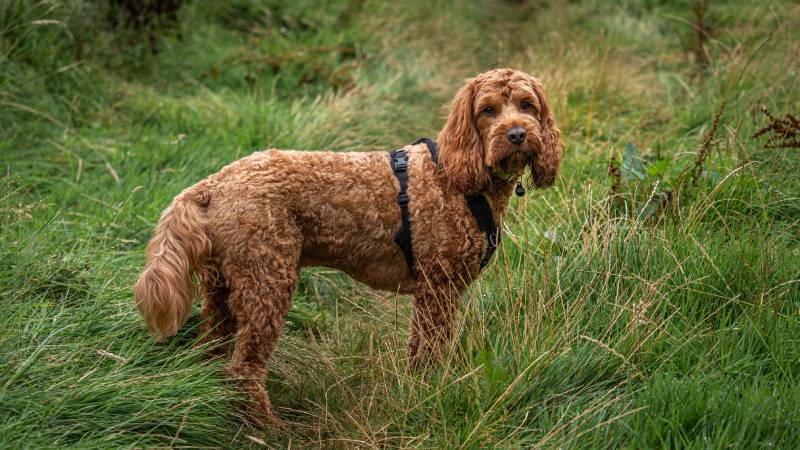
(420,221)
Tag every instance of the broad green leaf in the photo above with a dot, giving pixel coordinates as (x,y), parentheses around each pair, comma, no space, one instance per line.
(658,168)
(633,168)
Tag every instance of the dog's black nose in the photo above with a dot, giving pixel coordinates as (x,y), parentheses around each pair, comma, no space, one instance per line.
(516,135)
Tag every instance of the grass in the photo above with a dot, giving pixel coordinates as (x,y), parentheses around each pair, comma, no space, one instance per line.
(597,325)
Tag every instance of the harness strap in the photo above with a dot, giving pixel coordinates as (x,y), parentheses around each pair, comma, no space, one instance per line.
(433,148)
(482,212)
(399,161)
(478,205)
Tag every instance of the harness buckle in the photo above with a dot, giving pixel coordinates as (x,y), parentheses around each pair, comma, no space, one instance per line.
(400,162)
(402,198)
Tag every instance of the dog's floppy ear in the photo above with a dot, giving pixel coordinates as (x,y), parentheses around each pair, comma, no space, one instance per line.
(544,165)
(461,149)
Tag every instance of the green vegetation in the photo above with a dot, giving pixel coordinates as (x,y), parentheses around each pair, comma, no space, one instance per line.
(650,308)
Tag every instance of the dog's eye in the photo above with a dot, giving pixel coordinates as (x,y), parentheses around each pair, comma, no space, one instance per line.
(526,106)
(488,110)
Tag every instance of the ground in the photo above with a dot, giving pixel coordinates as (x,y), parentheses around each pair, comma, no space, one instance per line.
(651,298)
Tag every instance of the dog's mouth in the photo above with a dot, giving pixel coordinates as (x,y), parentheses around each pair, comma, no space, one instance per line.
(515,154)
(513,163)
(509,160)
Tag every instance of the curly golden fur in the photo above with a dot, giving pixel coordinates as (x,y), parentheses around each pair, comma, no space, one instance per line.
(249,228)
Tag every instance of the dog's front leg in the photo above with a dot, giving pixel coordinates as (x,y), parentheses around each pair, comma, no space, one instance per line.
(432,323)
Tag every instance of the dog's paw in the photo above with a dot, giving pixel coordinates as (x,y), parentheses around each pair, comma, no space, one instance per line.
(269,419)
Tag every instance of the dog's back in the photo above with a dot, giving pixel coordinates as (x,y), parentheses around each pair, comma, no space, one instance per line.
(338,208)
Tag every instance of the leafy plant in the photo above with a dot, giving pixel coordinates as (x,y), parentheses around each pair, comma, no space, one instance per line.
(639,187)
(645,188)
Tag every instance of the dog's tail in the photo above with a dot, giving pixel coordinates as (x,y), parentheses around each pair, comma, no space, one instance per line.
(179,248)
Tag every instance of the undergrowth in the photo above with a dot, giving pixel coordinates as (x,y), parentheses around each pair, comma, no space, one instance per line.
(649,299)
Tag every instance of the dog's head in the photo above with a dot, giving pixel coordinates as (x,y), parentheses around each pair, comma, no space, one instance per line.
(499,123)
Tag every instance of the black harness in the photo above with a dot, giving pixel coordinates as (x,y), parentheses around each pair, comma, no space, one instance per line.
(477,204)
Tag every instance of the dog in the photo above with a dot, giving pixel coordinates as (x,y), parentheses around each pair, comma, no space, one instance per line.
(248,229)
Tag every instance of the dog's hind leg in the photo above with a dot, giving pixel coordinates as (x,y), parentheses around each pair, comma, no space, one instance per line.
(262,278)
(218,322)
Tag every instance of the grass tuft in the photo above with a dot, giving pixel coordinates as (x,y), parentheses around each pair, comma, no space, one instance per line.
(615,314)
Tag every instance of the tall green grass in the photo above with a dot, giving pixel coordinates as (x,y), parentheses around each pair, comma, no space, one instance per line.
(593,327)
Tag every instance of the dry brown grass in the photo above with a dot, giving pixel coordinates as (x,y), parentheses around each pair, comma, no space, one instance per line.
(780,133)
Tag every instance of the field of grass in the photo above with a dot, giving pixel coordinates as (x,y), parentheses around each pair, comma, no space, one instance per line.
(658,307)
